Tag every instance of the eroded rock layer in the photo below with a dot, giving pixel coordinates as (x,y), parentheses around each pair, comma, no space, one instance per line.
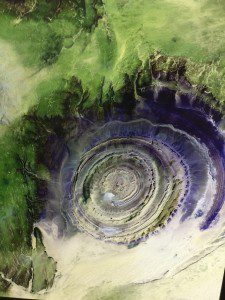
(128,176)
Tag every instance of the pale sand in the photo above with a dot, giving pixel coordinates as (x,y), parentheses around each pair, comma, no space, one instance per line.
(92,269)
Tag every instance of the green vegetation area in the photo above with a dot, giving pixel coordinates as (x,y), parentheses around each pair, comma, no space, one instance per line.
(79,54)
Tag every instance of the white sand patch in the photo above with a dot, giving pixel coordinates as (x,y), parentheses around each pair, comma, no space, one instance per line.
(17,85)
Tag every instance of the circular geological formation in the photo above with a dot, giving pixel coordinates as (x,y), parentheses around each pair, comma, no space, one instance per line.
(118,192)
(125,180)
(134,175)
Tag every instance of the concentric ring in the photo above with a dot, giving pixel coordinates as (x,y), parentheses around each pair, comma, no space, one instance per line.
(132,177)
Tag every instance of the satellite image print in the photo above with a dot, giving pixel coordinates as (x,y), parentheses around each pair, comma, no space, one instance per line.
(112,142)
